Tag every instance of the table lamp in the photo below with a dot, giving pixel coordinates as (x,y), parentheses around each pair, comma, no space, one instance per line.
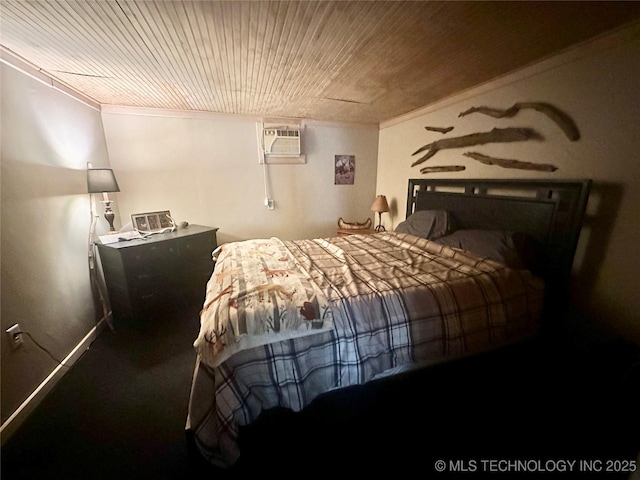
(102,180)
(379,206)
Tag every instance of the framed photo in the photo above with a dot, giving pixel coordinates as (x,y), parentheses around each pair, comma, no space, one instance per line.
(345,169)
(153,222)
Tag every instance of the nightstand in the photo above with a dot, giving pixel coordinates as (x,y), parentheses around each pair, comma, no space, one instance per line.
(167,271)
(342,232)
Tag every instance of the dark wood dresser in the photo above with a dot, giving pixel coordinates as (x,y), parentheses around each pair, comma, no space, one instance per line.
(167,271)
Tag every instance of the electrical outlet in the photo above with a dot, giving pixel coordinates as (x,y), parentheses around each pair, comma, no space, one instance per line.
(269,203)
(15,337)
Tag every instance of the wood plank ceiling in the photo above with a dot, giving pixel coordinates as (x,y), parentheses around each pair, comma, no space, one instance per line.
(354,61)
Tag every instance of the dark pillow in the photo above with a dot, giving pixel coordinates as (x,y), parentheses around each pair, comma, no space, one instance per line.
(429,224)
(515,250)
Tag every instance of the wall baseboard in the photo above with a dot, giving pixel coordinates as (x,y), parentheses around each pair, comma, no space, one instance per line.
(9,427)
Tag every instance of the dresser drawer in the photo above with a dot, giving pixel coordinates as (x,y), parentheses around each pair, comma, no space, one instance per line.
(197,247)
(149,301)
(195,255)
(150,257)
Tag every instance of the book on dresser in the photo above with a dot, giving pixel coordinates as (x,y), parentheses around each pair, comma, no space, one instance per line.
(145,277)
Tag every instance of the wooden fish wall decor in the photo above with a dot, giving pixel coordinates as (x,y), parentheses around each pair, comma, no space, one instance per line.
(497,135)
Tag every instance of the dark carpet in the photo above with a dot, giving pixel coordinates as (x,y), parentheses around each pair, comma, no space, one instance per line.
(120,413)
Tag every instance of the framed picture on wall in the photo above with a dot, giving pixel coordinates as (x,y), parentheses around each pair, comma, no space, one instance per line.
(153,222)
(345,169)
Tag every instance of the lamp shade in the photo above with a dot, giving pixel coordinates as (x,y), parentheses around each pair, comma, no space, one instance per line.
(380,204)
(100,180)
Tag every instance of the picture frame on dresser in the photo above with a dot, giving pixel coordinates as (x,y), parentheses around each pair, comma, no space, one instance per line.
(153,222)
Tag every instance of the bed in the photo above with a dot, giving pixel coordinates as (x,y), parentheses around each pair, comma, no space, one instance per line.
(475,266)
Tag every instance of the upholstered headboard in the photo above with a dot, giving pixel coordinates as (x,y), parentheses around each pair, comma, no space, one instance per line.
(548,211)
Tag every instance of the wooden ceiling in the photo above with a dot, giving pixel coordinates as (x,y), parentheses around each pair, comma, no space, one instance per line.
(353,61)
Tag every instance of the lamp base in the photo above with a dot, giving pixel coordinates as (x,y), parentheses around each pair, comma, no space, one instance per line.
(379,227)
(109,215)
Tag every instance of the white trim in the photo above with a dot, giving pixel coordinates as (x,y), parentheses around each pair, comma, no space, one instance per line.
(598,44)
(9,427)
(166,112)
(14,61)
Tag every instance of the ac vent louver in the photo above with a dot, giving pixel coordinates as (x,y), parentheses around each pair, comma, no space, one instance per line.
(281,142)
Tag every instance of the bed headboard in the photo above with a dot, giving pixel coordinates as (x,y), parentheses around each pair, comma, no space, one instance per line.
(548,211)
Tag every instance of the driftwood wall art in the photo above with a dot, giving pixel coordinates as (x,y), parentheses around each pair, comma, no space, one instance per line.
(497,135)
(506,163)
(559,117)
(439,129)
(494,136)
(443,168)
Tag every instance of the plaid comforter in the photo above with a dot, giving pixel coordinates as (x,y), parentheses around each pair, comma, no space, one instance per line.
(387,300)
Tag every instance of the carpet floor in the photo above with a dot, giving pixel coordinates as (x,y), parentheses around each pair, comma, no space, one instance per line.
(120,412)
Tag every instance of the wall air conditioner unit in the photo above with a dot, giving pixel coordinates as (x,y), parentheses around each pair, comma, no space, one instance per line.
(281,141)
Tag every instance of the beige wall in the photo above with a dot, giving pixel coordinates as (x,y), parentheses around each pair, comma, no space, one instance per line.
(204,169)
(47,139)
(597,85)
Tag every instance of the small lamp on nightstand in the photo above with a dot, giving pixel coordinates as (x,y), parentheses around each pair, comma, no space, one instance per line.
(379,206)
(102,180)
